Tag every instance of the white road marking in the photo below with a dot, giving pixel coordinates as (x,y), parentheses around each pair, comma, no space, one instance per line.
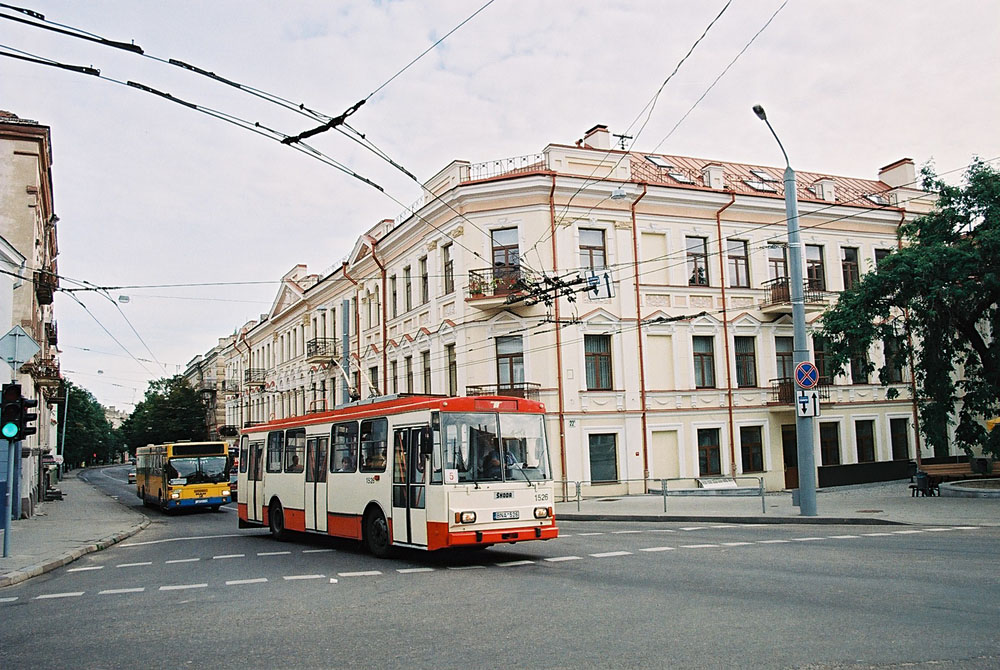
(565,535)
(694,528)
(661,530)
(410,571)
(215,558)
(966,527)
(583,534)
(258,580)
(626,532)
(181,587)
(8,600)
(698,546)
(315,551)
(937,530)
(735,544)
(773,541)
(657,549)
(273,553)
(296,577)
(71,594)
(466,567)
(363,573)
(806,539)
(108,592)
(876,534)
(182,560)
(844,537)
(132,565)
(608,554)
(178,539)
(93,567)
(511,564)
(906,532)
(558,559)
(726,525)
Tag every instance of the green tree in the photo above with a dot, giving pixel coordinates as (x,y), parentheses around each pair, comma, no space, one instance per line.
(936,301)
(170,411)
(88,431)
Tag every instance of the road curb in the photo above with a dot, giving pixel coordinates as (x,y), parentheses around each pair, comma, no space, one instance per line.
(25,574)
(827,521)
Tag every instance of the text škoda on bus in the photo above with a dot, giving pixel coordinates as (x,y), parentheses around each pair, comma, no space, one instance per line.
(416,471)
(183,474)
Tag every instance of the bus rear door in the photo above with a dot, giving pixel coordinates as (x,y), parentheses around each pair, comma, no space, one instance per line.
(317,449)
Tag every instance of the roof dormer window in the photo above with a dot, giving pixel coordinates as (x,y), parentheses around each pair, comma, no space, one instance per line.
(763,186)
(763,176)
(659,162)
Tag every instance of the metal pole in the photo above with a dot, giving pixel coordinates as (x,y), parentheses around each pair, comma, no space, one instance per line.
(663,488)
(803,424)
(8,506)
(763,506)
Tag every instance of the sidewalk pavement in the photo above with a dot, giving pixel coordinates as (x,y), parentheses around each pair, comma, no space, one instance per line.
(61,531)
(87,520)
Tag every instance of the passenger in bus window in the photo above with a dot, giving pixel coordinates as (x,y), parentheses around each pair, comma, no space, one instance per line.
(346,464)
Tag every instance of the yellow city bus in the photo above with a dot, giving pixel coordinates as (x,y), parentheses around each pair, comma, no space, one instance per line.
(183,474)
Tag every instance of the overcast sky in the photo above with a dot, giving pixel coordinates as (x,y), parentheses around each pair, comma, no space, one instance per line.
(150,193)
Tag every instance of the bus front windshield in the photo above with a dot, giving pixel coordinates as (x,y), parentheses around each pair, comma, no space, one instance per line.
(197,470)
(486,447)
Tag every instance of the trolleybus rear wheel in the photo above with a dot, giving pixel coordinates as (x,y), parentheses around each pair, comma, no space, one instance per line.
(276,521)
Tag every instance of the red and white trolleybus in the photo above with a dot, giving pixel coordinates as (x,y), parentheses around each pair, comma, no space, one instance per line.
(427,472)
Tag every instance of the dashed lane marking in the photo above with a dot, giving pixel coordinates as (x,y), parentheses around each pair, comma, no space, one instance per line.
(608,554)
(466,567)
(588,534)
(362,573)
(876,534)
(216,558)
(182,560)
(273,553)
(8,600)
(694,528)
(735,544)
(906,532)
(71,594)
(698,546)
(512,564)
(410,571)
(92,567)
(966,527)
(626,532)
(316,551)
(258,580)
(844,537)
(133,565)
(773,541)
(559,559)
(806,539)
(657,549)
(937,530)
(110,592)
(291,578)
(182,587)
(179,539)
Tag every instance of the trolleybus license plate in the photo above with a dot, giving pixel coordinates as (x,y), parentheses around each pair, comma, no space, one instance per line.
(497,516)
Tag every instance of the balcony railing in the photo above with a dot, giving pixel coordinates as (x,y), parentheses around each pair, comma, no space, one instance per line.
(784,390)
(45,285)
(45,372)
(254,376)
(779,292)
(321,348)
(506,166)
(51,333)
(494,282)
(526,390)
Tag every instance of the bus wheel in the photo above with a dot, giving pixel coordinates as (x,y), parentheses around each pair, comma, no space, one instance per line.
(377,534)
(215,508)
(276,521)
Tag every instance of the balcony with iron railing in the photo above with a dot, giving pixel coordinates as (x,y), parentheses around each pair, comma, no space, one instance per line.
(491,287)
(44,372)
(778,296)
(254,376)
(46,284)
(321,349)
(526,390)
(784,391)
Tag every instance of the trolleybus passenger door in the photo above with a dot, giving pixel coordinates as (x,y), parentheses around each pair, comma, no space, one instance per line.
(315,494)
(254,485)
(409,516)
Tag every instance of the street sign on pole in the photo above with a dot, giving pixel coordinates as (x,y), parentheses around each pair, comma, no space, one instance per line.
(806,375)
(807,403)
(17,347)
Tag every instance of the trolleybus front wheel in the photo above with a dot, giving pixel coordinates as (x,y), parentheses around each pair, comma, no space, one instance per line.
(276,521)
(377,534)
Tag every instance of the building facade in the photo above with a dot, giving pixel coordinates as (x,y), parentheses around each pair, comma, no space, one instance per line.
(643,298)
(28,224)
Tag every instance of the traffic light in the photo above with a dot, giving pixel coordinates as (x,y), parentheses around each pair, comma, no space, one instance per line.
(11,412)
(27,417)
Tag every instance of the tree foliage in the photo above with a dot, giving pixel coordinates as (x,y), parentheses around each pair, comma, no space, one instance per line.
(170,411)
(936,301)
(88,431)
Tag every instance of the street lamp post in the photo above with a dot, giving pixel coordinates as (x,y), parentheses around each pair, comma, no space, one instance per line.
(803,424)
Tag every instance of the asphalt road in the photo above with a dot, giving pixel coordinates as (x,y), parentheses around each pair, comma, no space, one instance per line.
(192,590)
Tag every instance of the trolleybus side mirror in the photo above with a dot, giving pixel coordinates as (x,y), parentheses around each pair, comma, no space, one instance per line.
(426,441)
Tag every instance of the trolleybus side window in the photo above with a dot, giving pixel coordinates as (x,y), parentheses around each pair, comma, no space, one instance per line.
(257,461)
(274,444)
(345,447)
(295,450)
(316,450)
(243,453)
(373,444)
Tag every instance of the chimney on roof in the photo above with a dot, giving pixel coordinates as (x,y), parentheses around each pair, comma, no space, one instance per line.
(900,173)
(597,137)
(714,176)
(824,190)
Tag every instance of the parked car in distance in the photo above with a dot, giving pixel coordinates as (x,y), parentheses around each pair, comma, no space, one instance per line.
(131,476)
(232,485)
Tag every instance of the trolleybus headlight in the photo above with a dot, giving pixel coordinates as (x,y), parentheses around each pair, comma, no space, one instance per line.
(541,512)
(465,517)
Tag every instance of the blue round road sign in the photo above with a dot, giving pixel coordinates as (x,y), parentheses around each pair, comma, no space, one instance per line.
(806,375)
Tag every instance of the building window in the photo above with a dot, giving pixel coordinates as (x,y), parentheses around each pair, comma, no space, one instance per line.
(849,266)
(408,371)
(865,438)
(880,255)
(815,275)
(784,357)
(709,462)
(506,259)
(425,282)
(697,260)
(592,253)
(746,362)
(449,269)
(393,296)
(425,367)
(777,261)
(829,443)
(510,362)
(373,379)
(739,268)
(603,457)
(597,352)
(899,434)
(449,350)
(407,288)
(859,372)
(894,362)
(704,362)
(819,358)
(394,376)
(752,449)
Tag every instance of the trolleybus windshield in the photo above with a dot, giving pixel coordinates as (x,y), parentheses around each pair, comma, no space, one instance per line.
(484,447)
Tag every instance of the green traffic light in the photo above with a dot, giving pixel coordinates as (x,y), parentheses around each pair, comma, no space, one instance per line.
(9,430)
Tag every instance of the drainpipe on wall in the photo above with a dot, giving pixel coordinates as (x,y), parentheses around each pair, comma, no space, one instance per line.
(638,334)
(345,309)
(382,301)
(725,335)
(559,379)
(909,340)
